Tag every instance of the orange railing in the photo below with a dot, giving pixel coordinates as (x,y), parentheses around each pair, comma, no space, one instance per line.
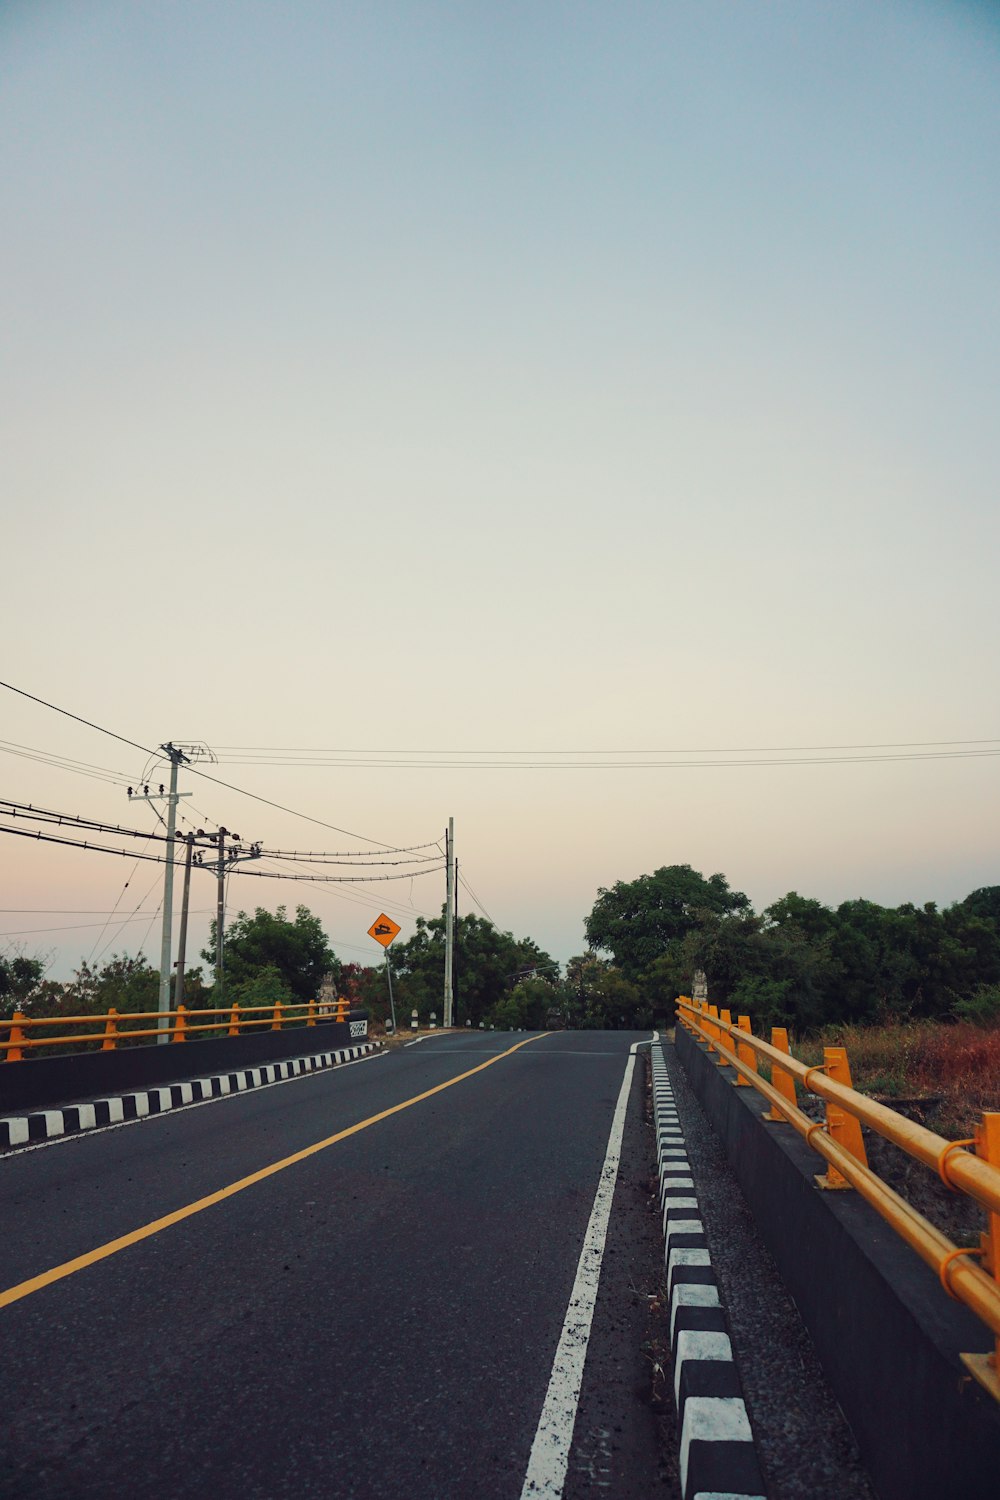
(176,1025)
(839,1141)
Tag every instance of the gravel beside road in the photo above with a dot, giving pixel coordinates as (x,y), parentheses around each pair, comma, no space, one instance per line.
(804,1444)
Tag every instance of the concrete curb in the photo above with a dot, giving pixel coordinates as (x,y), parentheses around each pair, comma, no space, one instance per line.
(717,1452)
(46,1124)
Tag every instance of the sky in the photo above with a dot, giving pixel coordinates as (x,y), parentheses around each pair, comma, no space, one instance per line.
(520,400)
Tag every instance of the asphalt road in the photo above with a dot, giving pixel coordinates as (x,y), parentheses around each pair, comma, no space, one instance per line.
(376,1318)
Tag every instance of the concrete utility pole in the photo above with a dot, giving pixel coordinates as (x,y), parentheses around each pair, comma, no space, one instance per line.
(182,940)
(449,923)
(178,757)
(171,797)
(455,988)
(220,911)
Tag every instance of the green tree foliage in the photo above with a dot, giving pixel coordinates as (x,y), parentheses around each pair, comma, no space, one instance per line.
(598,995)
(268,948)
(528,1005)
(805,965)
(637,921)
(126,984)
(20,978)
(488,965)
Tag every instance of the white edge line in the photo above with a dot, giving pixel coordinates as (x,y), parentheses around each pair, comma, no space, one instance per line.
(549,1458)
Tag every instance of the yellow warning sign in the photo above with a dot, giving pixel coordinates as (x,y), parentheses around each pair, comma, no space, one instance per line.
(384,929)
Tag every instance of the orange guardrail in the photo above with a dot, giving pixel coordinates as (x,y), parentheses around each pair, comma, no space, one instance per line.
(838,1139)
(177,1024)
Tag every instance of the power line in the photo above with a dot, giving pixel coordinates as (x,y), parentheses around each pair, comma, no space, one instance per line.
(335,879)
(85,926)
(475,898)
(193,770)
(717,750)
(635,765)
(156,859)
(50,817)
(63,763)
(400,907)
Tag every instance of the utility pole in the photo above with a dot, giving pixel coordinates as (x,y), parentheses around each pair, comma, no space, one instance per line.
(220,912)
(178,755)
(176,758)
(454,954)
(226,859)
(449,924)
(182,940)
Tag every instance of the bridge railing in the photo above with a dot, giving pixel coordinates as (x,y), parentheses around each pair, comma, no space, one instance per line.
(838,1140)
(26,1033)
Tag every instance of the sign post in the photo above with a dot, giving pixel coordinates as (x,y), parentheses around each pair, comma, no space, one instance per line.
(383,930)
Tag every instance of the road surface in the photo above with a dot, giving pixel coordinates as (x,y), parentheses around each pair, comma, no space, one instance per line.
(351,1284)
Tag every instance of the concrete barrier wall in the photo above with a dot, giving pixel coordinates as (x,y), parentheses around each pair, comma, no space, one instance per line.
(41,1082)
(888,1337)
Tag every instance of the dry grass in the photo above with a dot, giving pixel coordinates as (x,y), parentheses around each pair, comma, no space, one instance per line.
(944,1077)
(954,1069)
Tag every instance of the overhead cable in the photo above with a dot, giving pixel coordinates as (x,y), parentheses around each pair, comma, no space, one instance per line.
(194,771)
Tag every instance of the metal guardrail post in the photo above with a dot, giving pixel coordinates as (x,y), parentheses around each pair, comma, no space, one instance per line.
(726,1017)
(110,1031)
(180,1026)
(986,1367)
(15,1052)
(713,1031)
(780,1078)
(842,1127)
(276,1023)
(745,1054)
(311,1014)
(234,1019)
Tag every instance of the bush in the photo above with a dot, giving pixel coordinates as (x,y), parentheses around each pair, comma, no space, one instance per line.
(981,1007)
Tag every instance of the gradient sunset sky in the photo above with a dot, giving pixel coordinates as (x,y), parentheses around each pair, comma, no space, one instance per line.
(503,387)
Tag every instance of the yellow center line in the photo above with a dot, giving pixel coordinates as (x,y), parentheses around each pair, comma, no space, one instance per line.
(80,1262)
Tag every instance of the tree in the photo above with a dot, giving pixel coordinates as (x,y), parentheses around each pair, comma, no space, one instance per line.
(269,943)
(19,980)
(488,965)
(984,903)
(638,920)
(124,983)
(527,1006)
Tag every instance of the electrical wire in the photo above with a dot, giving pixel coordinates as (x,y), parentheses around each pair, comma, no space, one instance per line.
(95,957)
(637,765)
(47,838)
(63,763)
(392,906)
(725,750)
(114,909)
(193,770)
(149,929)
(86,926)
(49,817)
(463,881)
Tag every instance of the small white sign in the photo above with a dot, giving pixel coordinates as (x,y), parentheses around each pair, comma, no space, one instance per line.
(359,1028)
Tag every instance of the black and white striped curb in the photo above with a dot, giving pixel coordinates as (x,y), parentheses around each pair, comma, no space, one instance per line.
(42,1125)
(718,1460)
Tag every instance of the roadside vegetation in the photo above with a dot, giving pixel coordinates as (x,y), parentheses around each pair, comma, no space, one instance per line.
(946,1073)
(912,991)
